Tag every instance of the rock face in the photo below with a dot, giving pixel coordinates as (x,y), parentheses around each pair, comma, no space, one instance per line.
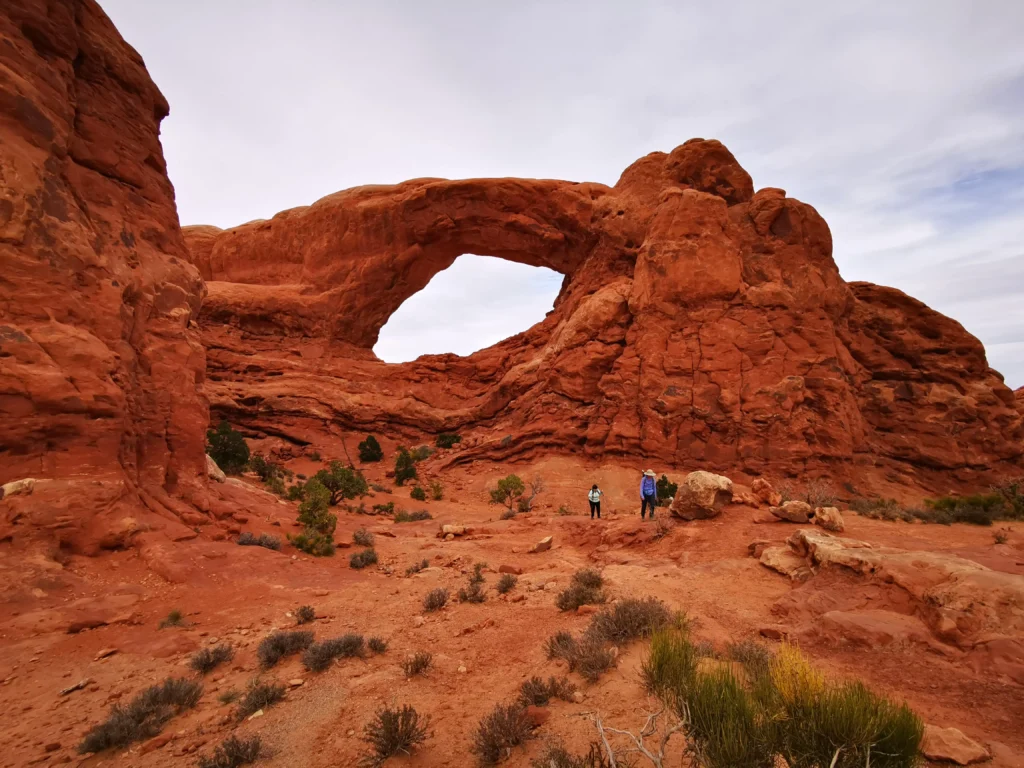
(701,495)
(101,364)
(699,322)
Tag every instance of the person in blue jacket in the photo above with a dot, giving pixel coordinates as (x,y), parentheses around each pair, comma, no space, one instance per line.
(648,493)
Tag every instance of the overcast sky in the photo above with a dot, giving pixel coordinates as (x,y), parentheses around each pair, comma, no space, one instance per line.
(901,122)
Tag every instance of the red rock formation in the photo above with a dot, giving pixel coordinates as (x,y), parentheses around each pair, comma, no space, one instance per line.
(699,323)
(101,368)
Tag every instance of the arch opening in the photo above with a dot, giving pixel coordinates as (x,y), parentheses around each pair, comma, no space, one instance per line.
(475,303)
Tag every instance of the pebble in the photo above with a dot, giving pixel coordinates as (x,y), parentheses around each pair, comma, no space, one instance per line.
(463,670)
(578,697)
(419,621)
(105,653)
(296,682)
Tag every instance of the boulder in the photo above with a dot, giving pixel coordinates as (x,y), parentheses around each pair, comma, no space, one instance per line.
(542,546)
(829,518)
(765,493)
(794,512)
(951,745)
(18,487)
(787,562)
(453,530)
(214,472)
(701,495)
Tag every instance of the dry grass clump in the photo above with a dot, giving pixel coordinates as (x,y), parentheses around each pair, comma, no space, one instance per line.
(304,614)
(474,592)
(435,600)
(584,589)
(417,567)
(233,752)
(630,619)
(259,696)
(558,757)
(277,645)
(207,659)
(590,656)
(539,692)
(377,644)
(506,583)
(394,731)
(418,663)
(319,656)
(173,619)
(263,540)
(363,538)
(360,560)
(411,517)
(144,716)
(499,732)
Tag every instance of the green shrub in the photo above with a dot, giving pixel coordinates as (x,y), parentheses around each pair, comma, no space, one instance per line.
(666,491)
(507,583)
(377,644)
(360,560)
(143,717)
(976,509)
(499,732)
(422,453)
(370,450)
(411,517)
(418,663)
(259,696)
(418,494)
(317,537)
(363,538)
(342,482)
(206,660)
(315,544)
(447,439)
(304,614)
(233,752)
(394,731)
(417,567)
(263,540)
(670,666)
(296,492)
(384,509)
(508,491)
(173,619)
(630,619)
(319,656)
(405,467)
(228,448)
(436,490)
(280,644)
(435,600)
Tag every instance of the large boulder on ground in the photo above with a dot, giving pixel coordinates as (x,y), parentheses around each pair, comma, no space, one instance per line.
(765,493)
(950,745)
(214,472)
(701,495)
(794,512)
(829,518)
(15,487)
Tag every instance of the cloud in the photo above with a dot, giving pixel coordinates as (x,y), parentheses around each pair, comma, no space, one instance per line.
(902,123)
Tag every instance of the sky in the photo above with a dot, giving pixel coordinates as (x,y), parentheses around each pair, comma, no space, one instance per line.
(901,122)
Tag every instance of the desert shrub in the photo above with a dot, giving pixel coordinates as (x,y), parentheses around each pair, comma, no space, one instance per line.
(412,517)
(360,560)
(976,509)
(882,509)
(265,468)
(474,591)
(589,655)
(666,491)
(561,645)
(539,692)
(207,659)
(142,717)
(670,666)
(363,538)
(504,728)
(370,450)
(418,494)
(584,589)
(417,567)
(522,506)
(421,453)
(436,490)
(314,456)
(228,448)
(173,619)
(507,583)
(296,492)
(447,439)
(304,614)
(565,511)
(319,656)
(233,752)
(1001,536)
(394,731)
(377,644)
(405,466)
(557,756)
(317,537)
(525,503)
(755,657)
(378,488)
(259,696)
(280,644)
(508,514)
(418,663)
(384,509)
(630,619)
(264,540)
(435,600)
(342,482)
(508,491)
(229,696)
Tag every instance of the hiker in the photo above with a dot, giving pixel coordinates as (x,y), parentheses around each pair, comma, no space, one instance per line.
(595,501)
(648,493)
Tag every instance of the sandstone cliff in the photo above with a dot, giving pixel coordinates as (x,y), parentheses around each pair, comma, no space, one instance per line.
(699,323)
(101,365)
